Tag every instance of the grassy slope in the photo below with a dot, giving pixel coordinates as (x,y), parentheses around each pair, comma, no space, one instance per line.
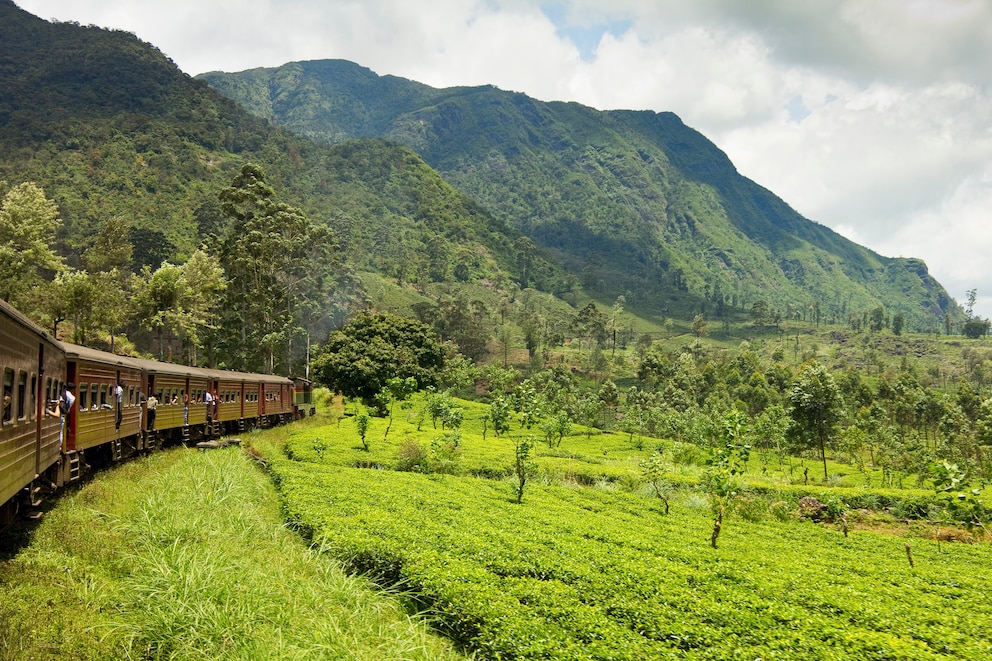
(183,555)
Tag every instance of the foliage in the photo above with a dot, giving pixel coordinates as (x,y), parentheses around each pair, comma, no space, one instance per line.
(637,204)
(591,573)
(360,358)
(523,467)
(727,463)
(653,469)
(815,409)
(186,555)
(28,225)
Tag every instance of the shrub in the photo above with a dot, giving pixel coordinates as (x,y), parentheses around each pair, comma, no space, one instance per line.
(411,456)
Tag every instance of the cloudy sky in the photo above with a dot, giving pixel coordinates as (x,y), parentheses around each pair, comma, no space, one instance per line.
(873,117)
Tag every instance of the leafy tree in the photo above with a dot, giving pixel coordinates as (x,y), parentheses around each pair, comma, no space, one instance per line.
(360,358)
(499,413)
(590,323)
(816,407)
(653,470)
(898,320)
(362,425)
(181,302)
(727,463)
(976,327)
(28,223)
(281,269)
(699,326)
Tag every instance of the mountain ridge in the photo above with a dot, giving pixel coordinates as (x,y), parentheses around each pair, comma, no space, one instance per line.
(632,202)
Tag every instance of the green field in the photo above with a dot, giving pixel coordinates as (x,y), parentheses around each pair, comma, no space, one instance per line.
(600,572)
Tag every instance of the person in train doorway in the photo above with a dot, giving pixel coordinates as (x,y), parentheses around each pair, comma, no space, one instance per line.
(209,399)
(152,410)
(61,411)
(119,395)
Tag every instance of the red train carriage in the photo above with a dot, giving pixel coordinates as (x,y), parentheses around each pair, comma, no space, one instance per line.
(235,396)
(275,399)
(109,409)
(180,390)
(33,373)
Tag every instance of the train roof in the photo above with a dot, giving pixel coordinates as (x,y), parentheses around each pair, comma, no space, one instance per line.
(229,375)
(158,367)
(15,314)
(97,356)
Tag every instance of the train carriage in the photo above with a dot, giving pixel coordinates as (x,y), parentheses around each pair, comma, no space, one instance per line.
(303,397)
(235,399)
(275,398)
(33,369)
(104,415)
(180,391)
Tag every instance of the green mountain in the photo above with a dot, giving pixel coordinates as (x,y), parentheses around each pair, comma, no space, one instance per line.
(109,126)
(632,203)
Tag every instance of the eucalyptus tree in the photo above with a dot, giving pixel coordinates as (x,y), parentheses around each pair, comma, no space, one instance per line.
(281,269)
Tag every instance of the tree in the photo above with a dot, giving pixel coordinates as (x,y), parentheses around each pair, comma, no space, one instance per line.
(976,327)
(281,269)
(898,320)
(729,460)
(816,407)
(28,223)
(699,326)
(653,470)
(108,261)
(360,358)
(523,467)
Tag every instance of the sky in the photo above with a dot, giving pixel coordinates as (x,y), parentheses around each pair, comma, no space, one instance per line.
(872,117)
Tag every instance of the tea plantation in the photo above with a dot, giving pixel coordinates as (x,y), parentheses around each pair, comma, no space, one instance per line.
(588,565)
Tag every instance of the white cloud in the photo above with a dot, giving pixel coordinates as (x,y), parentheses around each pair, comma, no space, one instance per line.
(870,116)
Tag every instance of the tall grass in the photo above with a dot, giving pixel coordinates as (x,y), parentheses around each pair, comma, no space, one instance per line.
(183,555)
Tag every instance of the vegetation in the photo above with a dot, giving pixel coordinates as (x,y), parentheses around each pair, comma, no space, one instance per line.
(587,565)
(632,203)
(183,555)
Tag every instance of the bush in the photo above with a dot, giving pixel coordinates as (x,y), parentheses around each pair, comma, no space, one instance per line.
(411,456)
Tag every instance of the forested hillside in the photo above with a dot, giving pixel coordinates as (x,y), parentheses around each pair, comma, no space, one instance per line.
(135,154)
(633,203)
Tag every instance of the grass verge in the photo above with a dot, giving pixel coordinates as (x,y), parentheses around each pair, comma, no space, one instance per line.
(183,555)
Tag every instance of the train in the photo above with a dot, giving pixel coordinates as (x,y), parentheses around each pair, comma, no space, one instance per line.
(49,439)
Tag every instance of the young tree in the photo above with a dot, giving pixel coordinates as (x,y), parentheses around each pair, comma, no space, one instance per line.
(816,407)
(729,460)
(523,467)
(653,470)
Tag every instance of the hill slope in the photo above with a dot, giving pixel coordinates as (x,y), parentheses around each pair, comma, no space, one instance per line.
(634,203)
(108,125)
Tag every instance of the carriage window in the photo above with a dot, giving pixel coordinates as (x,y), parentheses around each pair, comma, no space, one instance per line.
(103,394)
(94,398)
(34,395)
(83,396)
(49,395)
(22,392)
(8,394)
